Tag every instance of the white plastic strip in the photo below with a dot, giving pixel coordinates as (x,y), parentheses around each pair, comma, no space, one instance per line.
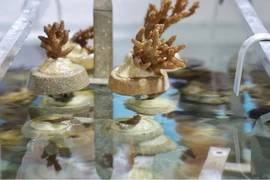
(241,57)
(215,163)
(235,167)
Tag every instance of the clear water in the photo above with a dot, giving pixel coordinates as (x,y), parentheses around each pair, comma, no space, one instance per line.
(101,157)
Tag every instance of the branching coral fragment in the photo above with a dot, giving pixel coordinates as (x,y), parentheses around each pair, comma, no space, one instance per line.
(57,37)
(153,54)
(82,36)
(155,16)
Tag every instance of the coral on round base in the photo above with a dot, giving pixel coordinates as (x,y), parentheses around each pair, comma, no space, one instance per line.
(42,83)
(138,86)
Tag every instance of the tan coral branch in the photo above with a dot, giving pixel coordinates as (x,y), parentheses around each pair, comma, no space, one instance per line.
(83,36)
(155,16)
(146,51)
(191,10)
(152,54)
(57,37)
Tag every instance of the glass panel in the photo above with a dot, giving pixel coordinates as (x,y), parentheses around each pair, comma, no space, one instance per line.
(83,137)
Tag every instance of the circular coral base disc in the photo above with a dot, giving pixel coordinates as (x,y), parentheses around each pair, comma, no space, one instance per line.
(138,86)
(42,83)
(151,106)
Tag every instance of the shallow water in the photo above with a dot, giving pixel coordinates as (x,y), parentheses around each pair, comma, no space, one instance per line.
(193,125)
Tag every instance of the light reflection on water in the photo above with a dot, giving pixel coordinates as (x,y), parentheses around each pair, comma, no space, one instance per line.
(167,160)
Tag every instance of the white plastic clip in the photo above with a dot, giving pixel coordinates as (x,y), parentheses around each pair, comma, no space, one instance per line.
(241,57)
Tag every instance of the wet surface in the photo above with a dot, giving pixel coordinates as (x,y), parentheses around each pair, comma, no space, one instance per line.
(80,149)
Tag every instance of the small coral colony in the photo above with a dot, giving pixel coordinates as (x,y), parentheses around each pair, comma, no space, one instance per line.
(149,51)
(142,75)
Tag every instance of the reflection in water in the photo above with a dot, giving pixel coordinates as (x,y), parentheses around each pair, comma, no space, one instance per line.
(103,152)
(189,115)
(256,113)
(14,101)
(57,166)
(146,129)
(73,146)
(260,152)
(149,106)
(69,155)
(78,103)
(50,153)
(13,148)
(103,147)
(198,138)
(144,139)
(16,96)
(108,160)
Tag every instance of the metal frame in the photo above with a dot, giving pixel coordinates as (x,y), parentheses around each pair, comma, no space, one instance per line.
(254,25)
